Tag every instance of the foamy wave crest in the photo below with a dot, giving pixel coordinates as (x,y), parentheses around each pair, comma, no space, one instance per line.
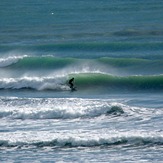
(57,108)
(61,140)
(36,83)
(4,62)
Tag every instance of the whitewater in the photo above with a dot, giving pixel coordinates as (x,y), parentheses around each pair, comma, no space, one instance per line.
(113,50)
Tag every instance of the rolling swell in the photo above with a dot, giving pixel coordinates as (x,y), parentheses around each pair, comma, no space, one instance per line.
(32,62)
(118,46)
(89,46)
(51,62)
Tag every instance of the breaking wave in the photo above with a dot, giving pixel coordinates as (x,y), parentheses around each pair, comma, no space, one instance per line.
(69,141)
(36,83)
(105,73)
(57,108)
(86,81)
(7,61)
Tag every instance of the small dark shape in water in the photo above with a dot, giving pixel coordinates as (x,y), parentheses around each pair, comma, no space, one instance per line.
(115,110)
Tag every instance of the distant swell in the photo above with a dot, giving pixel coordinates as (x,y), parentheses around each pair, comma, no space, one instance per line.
(116,66)
(91,46)
(48,62)
(52,62)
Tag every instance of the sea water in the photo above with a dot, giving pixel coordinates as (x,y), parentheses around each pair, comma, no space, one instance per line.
(113,49)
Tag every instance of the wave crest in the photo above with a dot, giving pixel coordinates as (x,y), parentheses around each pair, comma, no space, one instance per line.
(4,62)
(61,141)
(57,109)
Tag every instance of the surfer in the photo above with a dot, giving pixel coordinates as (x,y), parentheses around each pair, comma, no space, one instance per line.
(71,83)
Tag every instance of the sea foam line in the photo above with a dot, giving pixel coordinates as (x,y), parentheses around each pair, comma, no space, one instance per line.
(61,140)
(38,83)
(4,62)
(57,108)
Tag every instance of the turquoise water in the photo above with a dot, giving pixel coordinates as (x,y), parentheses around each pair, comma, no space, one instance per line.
(113,49)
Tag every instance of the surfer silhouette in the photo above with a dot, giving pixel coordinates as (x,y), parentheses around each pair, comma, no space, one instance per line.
(71,83)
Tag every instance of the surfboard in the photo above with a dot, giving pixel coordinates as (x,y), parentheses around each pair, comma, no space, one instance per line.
(73,89)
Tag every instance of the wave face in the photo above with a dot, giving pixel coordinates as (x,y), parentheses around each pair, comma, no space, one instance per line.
(35,62)
(116,82)
(53,73)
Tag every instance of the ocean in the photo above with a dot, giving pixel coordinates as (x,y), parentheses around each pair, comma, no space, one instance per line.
(113,50)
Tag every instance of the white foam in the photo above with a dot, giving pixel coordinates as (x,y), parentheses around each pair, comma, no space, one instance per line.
(76,139)
(38,83)
(53,108)
(10,60)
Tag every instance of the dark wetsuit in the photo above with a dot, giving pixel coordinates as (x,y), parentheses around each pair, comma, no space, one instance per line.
(71,83)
